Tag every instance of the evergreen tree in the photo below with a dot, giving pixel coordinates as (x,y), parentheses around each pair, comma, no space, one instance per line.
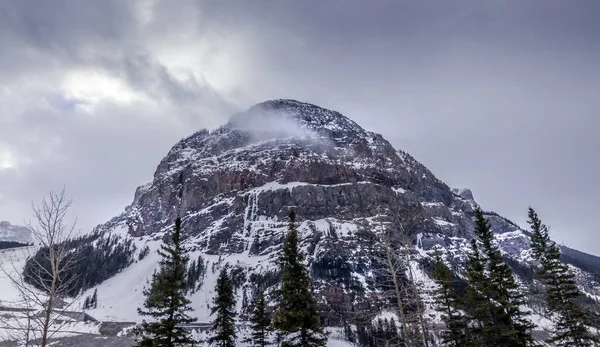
(165,300)
(224,307)
(349,334)
(195,276)
(260,323)
(94,301)
(479,307)
(365,335)
(391,331)
(86,303)
(297,319)
(496,295)
(448,304)
(379,331)
(573,323)
(191,276)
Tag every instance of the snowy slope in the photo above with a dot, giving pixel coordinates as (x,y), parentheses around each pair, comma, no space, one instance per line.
(12,262)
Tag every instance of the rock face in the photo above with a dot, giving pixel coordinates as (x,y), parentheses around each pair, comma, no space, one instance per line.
(233,188)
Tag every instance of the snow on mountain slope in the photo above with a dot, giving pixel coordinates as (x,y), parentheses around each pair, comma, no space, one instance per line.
(12,262)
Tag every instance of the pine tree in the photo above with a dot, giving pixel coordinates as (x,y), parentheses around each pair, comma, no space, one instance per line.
(191,277)
(260,323)
(94,301)
(165,300)
(478,306)
(391,331)
(86,303)
(495,294)
(349,334)
(448,304)
(365,335)
(223,327)
(573,323)
(297,319)
(379,331)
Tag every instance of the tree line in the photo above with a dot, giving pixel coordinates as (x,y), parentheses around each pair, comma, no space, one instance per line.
(105,256)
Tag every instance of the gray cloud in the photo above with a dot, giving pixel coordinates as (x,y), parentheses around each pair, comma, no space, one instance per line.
(496,96)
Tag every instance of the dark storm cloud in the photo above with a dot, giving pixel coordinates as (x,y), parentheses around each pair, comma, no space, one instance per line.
(498,96)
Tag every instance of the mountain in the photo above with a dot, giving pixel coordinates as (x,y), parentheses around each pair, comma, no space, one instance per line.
(14,233)
(233,188)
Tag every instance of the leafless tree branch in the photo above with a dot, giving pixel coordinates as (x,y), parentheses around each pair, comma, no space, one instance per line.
(48,286)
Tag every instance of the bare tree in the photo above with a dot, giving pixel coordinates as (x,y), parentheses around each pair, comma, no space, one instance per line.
(414,288)
(395,266)
(396,244)
(48,280)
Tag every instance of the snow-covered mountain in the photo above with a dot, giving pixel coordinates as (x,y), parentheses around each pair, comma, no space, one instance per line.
(15,233)
(233,188)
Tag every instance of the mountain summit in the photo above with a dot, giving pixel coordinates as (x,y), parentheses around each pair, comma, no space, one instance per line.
(285,143)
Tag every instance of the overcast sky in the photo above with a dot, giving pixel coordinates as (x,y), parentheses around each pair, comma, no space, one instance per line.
(502,97)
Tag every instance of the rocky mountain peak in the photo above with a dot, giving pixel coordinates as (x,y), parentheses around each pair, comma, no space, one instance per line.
(464,193)
(281,142)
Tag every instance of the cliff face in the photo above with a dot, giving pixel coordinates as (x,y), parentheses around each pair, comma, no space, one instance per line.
(233,189)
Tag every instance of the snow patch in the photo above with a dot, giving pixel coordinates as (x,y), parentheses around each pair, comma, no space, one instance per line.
(442,223)
(399,190)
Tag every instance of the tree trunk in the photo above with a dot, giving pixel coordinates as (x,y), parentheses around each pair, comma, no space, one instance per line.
(397,289)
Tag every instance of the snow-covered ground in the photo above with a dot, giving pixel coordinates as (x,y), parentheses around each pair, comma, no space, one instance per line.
(89,333)
(12,262)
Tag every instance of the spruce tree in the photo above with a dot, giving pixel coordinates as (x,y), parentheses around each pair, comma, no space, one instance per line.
(87,303)
(191,277)
(496,294)
(478,305)
(573,323)
(94,300)
(349,334)
(165,300)
(391,331)
(379,331)
(297,319)
(449,305)
(223,327)
(260,323)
